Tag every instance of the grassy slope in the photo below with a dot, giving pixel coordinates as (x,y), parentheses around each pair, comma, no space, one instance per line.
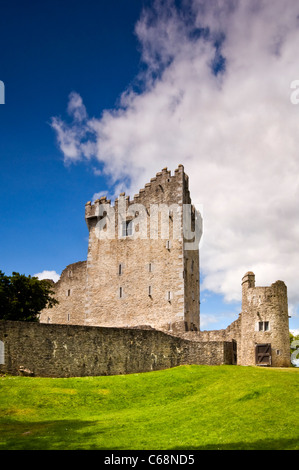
(189,407)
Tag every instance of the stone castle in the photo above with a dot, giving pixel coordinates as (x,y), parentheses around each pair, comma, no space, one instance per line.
(142,272)
(145,278)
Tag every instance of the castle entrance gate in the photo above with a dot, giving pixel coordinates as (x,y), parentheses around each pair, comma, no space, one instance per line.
(263,354)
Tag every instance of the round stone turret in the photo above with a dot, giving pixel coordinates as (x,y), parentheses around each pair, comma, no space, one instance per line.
(265,325)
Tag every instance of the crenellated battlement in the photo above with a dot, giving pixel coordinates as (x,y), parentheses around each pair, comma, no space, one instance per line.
(163,182)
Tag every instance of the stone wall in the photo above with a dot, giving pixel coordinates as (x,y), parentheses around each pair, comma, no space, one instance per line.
(142,279)
(49,350)
(265,320)
(70,292)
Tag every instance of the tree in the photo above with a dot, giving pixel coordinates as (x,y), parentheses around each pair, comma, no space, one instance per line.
(23,297)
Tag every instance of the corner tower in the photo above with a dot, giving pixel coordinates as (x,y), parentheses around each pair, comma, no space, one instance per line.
(265,324)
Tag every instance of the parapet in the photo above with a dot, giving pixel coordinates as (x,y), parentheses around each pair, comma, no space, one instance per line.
(248,281)
(156,184)
(279,287)
(90,209)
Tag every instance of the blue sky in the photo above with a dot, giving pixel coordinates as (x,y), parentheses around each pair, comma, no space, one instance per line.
(144,76)
(47,50)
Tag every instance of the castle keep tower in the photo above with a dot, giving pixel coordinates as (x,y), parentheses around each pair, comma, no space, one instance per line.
(142,267)
(264,325)
(139,271)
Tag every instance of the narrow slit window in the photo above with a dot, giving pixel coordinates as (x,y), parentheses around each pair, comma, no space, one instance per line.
(150,291)
(127,228)
(120,292)
(2,358)
(69,292)
(150,267)
(120,269)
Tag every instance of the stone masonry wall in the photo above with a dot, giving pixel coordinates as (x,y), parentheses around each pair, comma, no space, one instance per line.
(232,332)
(70,292)
(261,306)
(145,280)
(48,350)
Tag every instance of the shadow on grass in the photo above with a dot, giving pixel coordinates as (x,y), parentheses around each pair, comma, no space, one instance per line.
(43,435)
(80,435)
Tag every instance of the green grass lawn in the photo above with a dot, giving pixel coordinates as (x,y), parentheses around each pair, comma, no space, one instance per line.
(188,407)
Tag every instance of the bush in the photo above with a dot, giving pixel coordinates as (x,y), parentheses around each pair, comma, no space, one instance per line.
(23,297)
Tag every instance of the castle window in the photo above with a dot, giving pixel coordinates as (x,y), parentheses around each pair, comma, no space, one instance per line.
(68,317)
(127,228)
(168,244)
(264,326)
(150,291)
(192,265)
(169,296)
(120,292)
(120,269)
(69,292)
(2,361)
(150,267)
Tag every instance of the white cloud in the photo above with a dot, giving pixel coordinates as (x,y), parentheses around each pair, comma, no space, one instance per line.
(216,321)
(235,132)
(76,108)
(208,320)
(48,275)
(74,139)
(295,332)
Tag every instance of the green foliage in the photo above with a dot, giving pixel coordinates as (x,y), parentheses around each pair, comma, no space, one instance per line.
(294,341)
(293,338)
(23,297)
(188,407)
